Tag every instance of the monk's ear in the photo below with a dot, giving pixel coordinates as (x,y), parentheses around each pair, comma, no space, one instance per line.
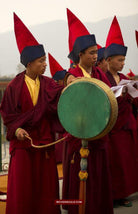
(28,64)
(108,59)
(80,54)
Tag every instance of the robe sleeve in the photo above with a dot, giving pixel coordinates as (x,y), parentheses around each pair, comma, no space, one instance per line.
(11,115)
(52,94)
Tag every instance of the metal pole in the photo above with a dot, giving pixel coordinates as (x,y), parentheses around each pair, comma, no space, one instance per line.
(83,174)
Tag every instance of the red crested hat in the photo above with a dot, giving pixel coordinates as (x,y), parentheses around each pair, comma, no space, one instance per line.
(136,32)
(57,72)
(28,46)
(114,42)
(114,35)
(54,65)
(76,29)
(23,36)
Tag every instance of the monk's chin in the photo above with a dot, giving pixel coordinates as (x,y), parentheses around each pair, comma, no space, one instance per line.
(42,72)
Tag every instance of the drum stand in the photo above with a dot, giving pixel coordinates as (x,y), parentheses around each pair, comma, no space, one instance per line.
(84,152)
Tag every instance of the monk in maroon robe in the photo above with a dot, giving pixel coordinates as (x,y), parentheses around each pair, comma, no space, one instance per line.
(33,179)
(98,183)
(59,78)
(29,109)
(123,137)
(101,63)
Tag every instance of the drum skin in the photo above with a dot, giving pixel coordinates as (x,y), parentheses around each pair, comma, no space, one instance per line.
(87,108)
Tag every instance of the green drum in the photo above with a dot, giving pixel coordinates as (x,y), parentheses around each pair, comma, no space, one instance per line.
(87,108)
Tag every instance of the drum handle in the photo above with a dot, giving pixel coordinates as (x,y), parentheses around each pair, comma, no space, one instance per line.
(47,145)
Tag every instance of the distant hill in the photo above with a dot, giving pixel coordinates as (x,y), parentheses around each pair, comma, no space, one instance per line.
(54,36)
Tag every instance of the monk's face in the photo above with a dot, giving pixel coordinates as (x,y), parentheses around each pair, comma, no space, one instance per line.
(116,63)
(60,82)
(38,66)
(89,56)
(103,65)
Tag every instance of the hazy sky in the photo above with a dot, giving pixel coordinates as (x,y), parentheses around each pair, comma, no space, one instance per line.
(34,12)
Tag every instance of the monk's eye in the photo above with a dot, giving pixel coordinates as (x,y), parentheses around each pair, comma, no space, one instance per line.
(93,52)
(42,60)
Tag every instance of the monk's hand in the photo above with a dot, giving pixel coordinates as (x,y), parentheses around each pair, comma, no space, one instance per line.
(70,79)
(135,85)
(21,134)
(124,91)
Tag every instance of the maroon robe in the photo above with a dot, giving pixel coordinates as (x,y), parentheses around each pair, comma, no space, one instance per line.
(122,146)
(32,179)
(98,184)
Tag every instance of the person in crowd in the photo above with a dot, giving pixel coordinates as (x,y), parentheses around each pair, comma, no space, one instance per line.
(98,184)
(58,74)
(101,62)
(29,110)
(123,137)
